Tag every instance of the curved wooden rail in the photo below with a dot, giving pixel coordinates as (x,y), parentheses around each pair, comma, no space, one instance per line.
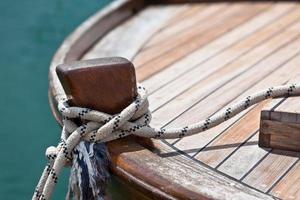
(156,175)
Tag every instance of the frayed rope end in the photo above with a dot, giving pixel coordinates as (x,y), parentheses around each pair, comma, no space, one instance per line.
(89,172)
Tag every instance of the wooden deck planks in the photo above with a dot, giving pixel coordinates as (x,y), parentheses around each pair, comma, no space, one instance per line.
(218,150)
(274,22)
(278,77)
(264,44)
(187,12)
(243,159)
(250,67)
(290,105)
(288,187)
(271,169)
(185,35)
(192,145)
(178,176)
(196,15)
(215,64)
(178,48)
(127,39)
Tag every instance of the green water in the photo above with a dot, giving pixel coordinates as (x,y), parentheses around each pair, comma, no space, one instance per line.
(31,31)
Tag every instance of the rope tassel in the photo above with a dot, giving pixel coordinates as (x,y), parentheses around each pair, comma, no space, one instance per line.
(83,145)
(89,172)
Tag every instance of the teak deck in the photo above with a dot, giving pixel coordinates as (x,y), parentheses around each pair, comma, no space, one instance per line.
(194,59)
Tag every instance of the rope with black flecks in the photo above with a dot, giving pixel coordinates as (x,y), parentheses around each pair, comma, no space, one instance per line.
(135,119)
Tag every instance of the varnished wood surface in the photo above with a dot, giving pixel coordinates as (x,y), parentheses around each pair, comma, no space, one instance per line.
(279,127)
(197,59)
(86,82)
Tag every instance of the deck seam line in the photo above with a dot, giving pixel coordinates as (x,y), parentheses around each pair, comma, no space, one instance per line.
(205,6)
(282,176)
(256,164)
(201,46)
(274,70)
(229,126)
(211,168)
(140,49)
(179,45)
(198,65)
(219,164)
(278,104)
(236,76)
(226,48)
(180,32)
(222,132)
(237,148)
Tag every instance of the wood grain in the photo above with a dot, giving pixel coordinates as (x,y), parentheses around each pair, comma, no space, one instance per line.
(288,187)
(283,135)
(179,178)
(86,81)
(276,164)
(251,67)
(243,159)
(278,77)
(195,16)
(237,41)
(188,11)
(185,34)
(178,48)
(256,64)
(127,38)
(279,128)
(165,173)
(85,36)
(229,58)
(218,150)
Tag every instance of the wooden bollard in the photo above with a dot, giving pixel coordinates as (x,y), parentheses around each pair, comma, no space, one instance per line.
(280,126)
(104,84)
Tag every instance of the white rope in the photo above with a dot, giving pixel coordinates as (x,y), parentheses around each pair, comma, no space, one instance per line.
(135,119)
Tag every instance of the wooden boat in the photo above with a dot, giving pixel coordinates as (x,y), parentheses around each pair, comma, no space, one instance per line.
(195,58)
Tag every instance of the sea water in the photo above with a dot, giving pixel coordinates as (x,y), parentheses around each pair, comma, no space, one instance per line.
(30,33)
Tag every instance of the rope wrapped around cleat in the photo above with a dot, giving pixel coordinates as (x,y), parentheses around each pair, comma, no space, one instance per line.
(99,127)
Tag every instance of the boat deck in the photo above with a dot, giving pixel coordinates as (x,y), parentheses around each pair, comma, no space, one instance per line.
(194,59)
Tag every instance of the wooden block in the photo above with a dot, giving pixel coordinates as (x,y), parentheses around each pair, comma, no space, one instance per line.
(280,125)
(104,84)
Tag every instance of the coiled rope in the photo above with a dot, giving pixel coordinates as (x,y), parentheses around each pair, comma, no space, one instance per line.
(134,119)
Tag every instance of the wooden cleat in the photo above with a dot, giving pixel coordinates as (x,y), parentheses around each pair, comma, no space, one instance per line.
(103,84)
(280,126)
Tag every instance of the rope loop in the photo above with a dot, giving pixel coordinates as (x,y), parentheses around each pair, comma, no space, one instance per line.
(99,126)
(134,119)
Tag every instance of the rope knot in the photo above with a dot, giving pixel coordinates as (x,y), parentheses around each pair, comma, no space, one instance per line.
(97,127)
(102,127)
